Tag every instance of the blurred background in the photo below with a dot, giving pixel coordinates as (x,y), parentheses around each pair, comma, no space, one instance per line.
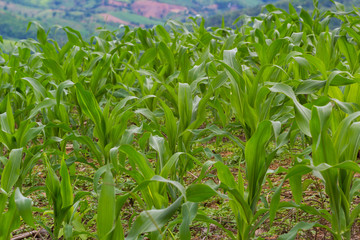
(88,15)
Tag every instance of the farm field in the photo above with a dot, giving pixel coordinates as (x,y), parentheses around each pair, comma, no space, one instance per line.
(87,15)
(184,132)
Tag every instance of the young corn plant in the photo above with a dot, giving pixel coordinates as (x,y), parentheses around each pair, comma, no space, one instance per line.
(179,128)
(140,101)
(244,201)
(334,155)
(64,202)
(12,203)
(340,149)
(153,223)
(109,124)
(13,137)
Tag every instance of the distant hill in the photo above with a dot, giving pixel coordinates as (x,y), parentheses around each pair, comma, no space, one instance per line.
(230,16)
(87,15)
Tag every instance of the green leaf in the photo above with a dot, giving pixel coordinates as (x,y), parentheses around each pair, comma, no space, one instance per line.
(188,212)
(36,86)
(302,114)
(171,127)
(310,86)
(354,34)
(118,232)
(148,56)
(46,103)
(199,192)
(41,34)
(28,135)
(106,207)
(306,18)
(65,186)
(162,33)
(275,201)
(296,188)
(256,160)
(9,116)
(323,148)
(88,104)
(24,205)
(348,50)
(185,105)
(87,141)
(224,174)
(55,69)
(152,220)
(274,49)
(299,226)
(170,164)
(11,171)
(60,90)
(167,55)
(137,159)
(68,231)
(180,187)
(10,219)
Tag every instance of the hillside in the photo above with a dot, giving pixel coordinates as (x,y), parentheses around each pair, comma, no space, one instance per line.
(87,15)
(230,16)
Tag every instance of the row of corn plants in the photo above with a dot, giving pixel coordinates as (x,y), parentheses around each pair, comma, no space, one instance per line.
(111,137)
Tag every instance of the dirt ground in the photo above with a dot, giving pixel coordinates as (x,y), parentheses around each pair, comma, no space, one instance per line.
(110,18)
(148,8)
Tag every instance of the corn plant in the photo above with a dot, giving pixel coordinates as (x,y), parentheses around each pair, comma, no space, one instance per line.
(12,203)
(141,109)
(337,150)
(334,156)
(244,200)
(64,202)
(110,125)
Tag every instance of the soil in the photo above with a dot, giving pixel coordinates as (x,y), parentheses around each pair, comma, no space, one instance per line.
(148,8)
(117,4)
(110,18)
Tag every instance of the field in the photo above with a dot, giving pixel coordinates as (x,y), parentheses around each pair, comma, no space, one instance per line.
(184,132)
(87,15)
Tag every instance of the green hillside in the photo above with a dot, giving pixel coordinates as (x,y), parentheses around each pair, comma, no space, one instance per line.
(230,16)
(87,15)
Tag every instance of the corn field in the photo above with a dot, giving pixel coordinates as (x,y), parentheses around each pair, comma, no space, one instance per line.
(126,135)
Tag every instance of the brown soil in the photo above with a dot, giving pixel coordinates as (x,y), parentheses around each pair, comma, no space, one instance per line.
(110,18)
(148,8)
(118,4)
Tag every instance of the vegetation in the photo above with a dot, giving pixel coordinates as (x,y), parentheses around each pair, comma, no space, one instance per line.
(14,27)
(87,15)
(165,133)
(229,17)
